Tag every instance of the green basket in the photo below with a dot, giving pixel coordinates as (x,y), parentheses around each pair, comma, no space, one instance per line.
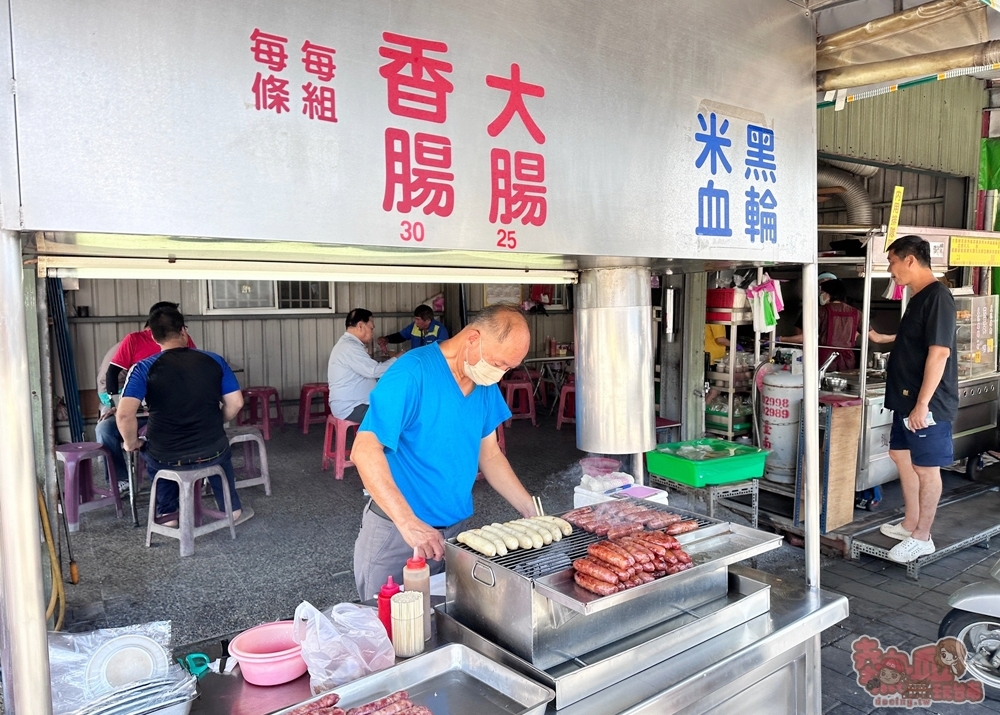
(745,462)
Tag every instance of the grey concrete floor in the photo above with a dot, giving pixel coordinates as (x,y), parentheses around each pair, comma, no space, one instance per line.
(299,546)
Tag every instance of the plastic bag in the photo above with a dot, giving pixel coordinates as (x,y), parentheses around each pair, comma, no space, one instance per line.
(341,644)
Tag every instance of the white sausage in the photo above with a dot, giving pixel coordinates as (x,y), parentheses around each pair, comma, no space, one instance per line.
(477,543)
(541,524)
(523,540)
(544,533)
(563,525)
(536,539)
(509,541)
(497,542)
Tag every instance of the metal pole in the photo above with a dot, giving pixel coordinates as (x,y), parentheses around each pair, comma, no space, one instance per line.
(45,358)
(810,408)
(25,657)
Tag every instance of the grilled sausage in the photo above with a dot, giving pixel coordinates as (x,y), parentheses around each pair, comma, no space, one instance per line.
(477,543)
(595,570)
(379,704)
(641,553)
(327,701)
(542,532)
(658,549)
(661,538)
(623,530)
(523,540)
(682,556)
(497,541)
(615,547)
(601,588)
(604,552)
(645,576)
(563,525)
(682,527)
(494,533)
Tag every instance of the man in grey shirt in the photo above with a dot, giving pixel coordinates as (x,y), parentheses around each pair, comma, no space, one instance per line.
(352,373)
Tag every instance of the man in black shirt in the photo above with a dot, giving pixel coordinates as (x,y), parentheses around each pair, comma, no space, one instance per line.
(190,394)
(922,391)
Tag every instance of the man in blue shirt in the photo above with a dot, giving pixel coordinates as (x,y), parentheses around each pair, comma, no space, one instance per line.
(431,424)
(424,330)
(190,394)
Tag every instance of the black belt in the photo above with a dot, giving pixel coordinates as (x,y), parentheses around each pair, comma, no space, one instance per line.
(377,511)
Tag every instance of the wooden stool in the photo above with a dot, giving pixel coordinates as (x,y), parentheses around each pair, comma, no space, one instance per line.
(78,481)
(306,414)
(189,525)
(250,436)
(340,455)
(257,409)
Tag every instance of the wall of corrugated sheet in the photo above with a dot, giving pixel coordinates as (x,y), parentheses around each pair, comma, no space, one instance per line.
(935,127)
(280,351)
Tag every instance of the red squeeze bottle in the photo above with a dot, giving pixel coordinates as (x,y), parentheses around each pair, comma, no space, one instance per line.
(389,590)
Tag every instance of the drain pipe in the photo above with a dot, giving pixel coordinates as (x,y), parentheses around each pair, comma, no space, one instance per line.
(850,76)
(855,196)
(25,650)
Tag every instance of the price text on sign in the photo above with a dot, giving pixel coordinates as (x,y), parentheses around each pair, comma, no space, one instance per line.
(969,251)
(507,239)
(897,205)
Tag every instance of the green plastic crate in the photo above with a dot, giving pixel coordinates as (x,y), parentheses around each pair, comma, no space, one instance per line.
(746,462)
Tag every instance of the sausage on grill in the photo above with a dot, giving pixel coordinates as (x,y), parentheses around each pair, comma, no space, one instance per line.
(605,552)
(682,527)
(621,550)
(622,530)
(595,570)
(601,588)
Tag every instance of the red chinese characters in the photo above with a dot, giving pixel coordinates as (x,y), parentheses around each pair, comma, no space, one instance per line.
(518,178)
(271,92)
(418,167)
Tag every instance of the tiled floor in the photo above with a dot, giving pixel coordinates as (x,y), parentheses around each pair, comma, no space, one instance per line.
(299,546)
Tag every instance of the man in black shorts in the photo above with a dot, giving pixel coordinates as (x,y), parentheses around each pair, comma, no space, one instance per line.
(922,391)
(190,394)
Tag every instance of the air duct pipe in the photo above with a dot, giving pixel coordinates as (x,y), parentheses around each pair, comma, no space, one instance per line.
(866,170)
(615,410)
(850,76)
(855,196)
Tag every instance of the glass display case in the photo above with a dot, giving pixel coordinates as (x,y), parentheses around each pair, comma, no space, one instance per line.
(976,334)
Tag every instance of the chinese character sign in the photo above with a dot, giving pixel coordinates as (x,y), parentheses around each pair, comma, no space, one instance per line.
(271,93)
(756,184)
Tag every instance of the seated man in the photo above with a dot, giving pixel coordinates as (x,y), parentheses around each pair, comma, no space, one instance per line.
(133,348)
(190,394)
(352,372)
(424,330)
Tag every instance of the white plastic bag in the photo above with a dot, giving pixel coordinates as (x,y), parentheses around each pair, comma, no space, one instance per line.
(341,644)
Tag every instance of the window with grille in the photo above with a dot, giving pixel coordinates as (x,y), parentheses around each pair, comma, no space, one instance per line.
(252,296)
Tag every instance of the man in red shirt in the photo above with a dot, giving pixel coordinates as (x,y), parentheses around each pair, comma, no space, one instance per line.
(134,348)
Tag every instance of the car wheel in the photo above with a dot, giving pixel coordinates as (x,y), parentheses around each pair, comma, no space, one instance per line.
(981,636)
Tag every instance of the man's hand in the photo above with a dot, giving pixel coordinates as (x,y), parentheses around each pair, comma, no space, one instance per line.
(918,417)
(425,539)
(133,445)
(110,413)
(383,344)
(880,337)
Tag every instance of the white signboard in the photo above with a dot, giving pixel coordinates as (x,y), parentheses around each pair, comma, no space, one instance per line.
(656,128)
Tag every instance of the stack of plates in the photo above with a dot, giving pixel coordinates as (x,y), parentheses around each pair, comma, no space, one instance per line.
(131,675)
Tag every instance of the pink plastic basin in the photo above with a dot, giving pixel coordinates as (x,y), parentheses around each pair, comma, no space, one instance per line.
(268,655)
(599,466)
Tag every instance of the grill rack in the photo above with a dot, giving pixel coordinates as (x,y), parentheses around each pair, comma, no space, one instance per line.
(533,564)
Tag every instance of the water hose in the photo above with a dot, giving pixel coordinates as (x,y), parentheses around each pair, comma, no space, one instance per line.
(58,590)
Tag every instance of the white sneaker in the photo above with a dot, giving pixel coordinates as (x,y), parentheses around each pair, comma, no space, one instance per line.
(911,549)
(123,488)
(895,531)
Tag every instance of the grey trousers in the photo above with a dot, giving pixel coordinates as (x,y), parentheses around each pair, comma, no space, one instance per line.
(380,552)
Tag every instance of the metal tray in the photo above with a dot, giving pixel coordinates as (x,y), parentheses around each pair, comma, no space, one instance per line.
(709,548)
(585,675)
(450,679)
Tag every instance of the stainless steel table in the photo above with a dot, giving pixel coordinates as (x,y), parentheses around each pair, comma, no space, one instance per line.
(769,664)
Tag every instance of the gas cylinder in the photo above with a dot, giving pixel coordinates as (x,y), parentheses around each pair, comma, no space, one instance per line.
(781,398)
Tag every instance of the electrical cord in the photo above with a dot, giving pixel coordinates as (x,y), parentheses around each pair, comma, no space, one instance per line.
(58,589)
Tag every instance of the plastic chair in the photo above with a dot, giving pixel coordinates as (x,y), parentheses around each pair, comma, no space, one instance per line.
(525,407)
(78,481)
(257,409)
(306,414)
(189,517)
(340,455)
(567,403)
(249,436)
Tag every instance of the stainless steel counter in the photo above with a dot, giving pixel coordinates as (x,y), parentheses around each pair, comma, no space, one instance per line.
(771,663)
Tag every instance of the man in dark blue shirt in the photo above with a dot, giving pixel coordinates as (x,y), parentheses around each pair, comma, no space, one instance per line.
(424,330)
(190,395)
(922,391)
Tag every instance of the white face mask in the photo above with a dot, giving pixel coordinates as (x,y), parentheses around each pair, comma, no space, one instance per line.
(482,373)
(824,299)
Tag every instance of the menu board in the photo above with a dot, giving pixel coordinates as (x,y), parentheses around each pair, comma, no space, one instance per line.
(494,293)
(972,251)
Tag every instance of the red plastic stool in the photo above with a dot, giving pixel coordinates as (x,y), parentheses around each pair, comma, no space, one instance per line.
(525,407)
(257,409)
(567,403)
(78,481)
(336,429)
(306,414)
